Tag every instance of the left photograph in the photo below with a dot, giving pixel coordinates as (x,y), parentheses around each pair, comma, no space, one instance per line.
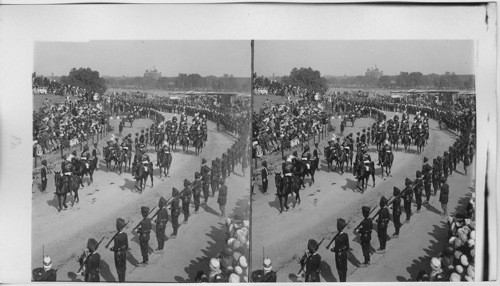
(141,167)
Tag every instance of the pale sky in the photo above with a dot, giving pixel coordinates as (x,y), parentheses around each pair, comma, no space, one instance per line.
(354,57)
(132,58)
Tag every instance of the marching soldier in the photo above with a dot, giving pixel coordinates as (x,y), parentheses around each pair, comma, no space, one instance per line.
(161,223)
(186,199)
(368,135)
(144,230)
(446,164)
(366,234)
(427,173)
(418,188)
(120,249)
(407,198)
(175,211)
(263,173)
(222,199)
(341,247)
(196,192)
(382,222)
(311,261)
(205,176)
(436,177)
(224,167)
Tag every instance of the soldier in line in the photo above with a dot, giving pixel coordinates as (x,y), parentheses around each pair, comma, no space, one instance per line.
(443,197)
(366,234)
(175,211)
(223,166)
(407,198)
(311,261)
(427,174)
(120,248)
(144,230)
(382,222)
(222,199)
(341,247)
(92,262)
(396,210)
(418,188)
(445,164)
(196,192)
(263,173)
(205,176)
(215,176)
(161,223)
(436,177)
(186,199)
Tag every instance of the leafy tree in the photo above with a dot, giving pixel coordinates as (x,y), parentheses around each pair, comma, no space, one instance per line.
(85,78)
(307,78)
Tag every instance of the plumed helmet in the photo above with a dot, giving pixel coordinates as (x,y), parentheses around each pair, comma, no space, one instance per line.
(366,211)
(312,245)
(186,182)
(203,161)
(341,224)
(407,182)
(162,202)
(268,266)
(144,211)
(175,192)
(47,263)
(383,202)
(396,191)
(92,244)
(120,223)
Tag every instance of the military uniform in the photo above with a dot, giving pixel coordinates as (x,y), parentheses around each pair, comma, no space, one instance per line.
(443,197)
(418,188)
(92,262)
(43,175)
(196,192)
(315,156)
(341,248)
(175,211)
(407,198)
(263,174)
(144,230)
(205,177)
(382,222)
(366,234)
(222,199)
(436,177)
(186,199)
(311,260)
(161,223)
(120,248)
(396,210)
(215,176)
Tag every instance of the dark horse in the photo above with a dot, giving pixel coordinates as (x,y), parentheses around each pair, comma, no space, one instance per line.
(141,175)
(65,185)
(281,191)
(330,155)
(420,142)
(159,137)
(184,141)
(110,156)
(385,160)
(82,168)
(125,158)
(342,159)
(288,185)
(380,138)
(362,173)
(406,140)
(198,144)
(164,161)
(394,138)
(172,140)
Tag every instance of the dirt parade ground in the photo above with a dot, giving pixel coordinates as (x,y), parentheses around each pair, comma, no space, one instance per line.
(63,235)
(283,237)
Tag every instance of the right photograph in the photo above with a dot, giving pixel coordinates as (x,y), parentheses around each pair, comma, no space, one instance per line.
(363,161)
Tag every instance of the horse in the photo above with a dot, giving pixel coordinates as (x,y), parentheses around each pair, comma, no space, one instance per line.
(281,191)
(385,160)
(291,185)
(330,155)
(300,170)
(64,185)
(363,173)
(164,162)
(159,137)
(142,173)
(380,138)
(125,158)
(81,169)
(184,141)
(406,140)
(61,191)
(198,144)
(394,138)
(420,142)
(341,159)
(172,140)
(110,156)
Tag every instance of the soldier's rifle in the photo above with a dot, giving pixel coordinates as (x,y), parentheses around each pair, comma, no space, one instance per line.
(398,196)
(114,236)
(169,202)
(146,216)
(309,258)
(333,239)
(87,258)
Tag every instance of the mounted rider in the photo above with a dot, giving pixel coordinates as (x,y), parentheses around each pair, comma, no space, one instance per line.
(143,159)
(306,157)
(85,156)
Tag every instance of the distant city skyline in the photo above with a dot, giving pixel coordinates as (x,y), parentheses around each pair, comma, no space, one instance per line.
(132,58)
(354,57)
